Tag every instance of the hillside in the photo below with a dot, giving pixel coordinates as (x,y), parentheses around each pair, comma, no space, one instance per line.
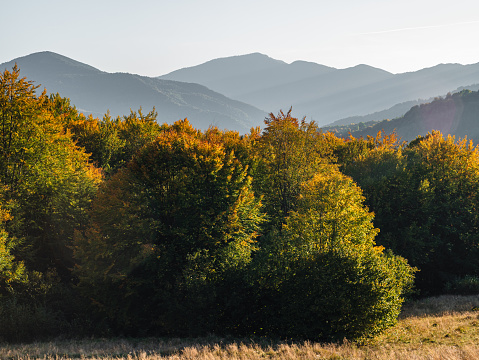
(319,92)
(96,92)
(456,114)
(342,126)
(395,111)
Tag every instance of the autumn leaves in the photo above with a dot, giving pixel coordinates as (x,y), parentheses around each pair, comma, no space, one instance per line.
(162,230)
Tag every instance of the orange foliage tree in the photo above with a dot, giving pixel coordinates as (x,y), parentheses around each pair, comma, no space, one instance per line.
(49,179)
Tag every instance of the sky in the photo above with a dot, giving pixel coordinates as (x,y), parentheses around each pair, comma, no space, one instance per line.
(155,37)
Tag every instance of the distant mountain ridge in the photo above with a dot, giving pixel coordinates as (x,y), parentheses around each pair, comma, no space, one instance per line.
(94,91)
(238,76)
(393,112)
(322,93)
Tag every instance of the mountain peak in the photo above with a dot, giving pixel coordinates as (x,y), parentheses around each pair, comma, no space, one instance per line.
(216,68)
(365,67)
(50,62)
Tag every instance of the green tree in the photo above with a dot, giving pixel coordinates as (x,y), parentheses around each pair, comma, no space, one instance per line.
(113,142)
(47,176)
(166,231)
(424,197)
(323,277)
(18,105)
(11,271)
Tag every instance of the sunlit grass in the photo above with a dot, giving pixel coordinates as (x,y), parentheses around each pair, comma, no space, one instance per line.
(445,327)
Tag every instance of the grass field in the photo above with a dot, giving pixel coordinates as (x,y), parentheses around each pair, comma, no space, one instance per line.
(445,327)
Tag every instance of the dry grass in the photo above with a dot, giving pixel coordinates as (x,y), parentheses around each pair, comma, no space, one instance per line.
(446,327)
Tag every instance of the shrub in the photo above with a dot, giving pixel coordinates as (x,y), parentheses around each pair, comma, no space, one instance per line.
(26,322)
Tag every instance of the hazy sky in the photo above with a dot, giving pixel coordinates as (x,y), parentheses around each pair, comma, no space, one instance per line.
(154,37)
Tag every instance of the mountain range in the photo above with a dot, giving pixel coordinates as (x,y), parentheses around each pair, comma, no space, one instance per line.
(237,92)
(393,112)
(95,92)
(322,93)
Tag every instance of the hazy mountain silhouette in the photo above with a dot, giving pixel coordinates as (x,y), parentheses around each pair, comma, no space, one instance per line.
(393,112)
(455,114)
(94,91)
(246,75)
(322,93)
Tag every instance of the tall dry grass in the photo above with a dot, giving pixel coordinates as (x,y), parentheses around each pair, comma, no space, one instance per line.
(445,327)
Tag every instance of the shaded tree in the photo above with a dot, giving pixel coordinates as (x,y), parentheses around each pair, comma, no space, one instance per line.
(424,197)
(166,231)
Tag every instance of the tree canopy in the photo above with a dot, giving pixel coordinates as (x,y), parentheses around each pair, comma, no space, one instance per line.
(424,197)
(124,226)
(181,215)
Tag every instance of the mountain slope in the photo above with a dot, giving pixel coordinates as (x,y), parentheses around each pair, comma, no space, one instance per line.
(456,114)
(272,85)
(94,91)
(393,112)
(322,93)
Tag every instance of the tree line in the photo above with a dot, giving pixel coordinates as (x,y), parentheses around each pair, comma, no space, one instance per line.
(123,226)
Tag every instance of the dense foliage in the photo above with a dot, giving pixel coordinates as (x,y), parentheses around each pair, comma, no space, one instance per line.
(123,226)
(322,275)
(47,184)
(425,196)
(179,219)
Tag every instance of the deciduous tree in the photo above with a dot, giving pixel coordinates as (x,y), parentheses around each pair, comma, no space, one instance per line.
(424,197)
(179,218)
(47,176)
(323,277)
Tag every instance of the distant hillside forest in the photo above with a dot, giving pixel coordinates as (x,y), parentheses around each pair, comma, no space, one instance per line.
(122,226)
(455,114)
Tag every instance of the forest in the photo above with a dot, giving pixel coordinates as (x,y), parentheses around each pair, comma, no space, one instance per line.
(122,226)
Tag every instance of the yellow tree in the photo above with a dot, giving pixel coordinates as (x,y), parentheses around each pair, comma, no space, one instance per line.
(46,174)
(323,277)
(18,106)
(289,153)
